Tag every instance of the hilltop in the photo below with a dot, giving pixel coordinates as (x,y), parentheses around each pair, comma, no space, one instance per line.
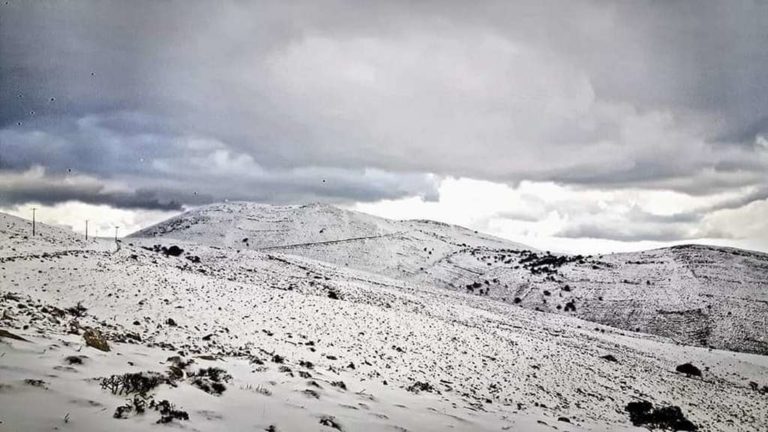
(399,249)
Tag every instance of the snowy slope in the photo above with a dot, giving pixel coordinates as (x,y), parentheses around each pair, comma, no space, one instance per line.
(696,295)
(16,237)
(288,329)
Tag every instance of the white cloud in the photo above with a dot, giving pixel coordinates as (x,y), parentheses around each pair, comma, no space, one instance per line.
(561,218)
(102,219)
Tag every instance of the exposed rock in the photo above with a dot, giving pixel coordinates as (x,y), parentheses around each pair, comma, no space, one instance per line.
(94,338)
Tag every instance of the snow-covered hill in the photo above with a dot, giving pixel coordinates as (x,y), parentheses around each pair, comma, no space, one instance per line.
(696,295)
(306,344)
(399,249)
(16,237)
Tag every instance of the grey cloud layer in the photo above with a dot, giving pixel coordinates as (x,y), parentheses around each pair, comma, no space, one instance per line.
(17,188)
(191,101)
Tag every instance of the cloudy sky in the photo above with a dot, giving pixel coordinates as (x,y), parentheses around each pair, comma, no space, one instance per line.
(569,125)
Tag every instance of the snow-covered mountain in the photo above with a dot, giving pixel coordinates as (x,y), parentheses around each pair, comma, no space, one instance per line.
(285,334)
(697,295)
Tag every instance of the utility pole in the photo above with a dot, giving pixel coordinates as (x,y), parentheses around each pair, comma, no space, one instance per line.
(86,230)
(33,221)
(117,243)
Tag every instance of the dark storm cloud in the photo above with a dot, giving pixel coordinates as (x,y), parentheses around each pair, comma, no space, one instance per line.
(355,101)
(20,188)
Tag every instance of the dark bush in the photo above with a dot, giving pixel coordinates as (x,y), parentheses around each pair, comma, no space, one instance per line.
(670,417)
(339,384)
(78,310)
(211,380)
(419,386)
(168,412)
(174,251)
(311,393)
(122,411)
(137,404)
(34,382)
(75,359)
(330,422)
(688,369)
(215,374)
(139,383)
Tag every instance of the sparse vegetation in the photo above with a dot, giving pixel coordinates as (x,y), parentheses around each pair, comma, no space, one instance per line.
(260,389)
(311,393)
(35,382)
(331,422)
(420,386)
(137,404)
(139,383)
(168,412)
(211,380)
(644,414)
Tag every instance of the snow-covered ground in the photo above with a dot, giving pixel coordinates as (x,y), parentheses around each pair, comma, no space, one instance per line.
(318,297)
(698,295)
